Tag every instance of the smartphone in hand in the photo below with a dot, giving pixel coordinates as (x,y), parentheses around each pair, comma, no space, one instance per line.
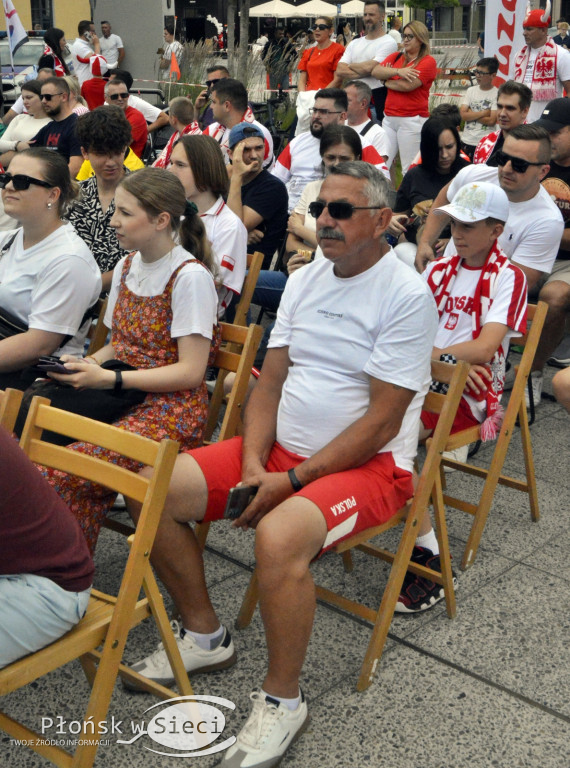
(238,499)
(52,364)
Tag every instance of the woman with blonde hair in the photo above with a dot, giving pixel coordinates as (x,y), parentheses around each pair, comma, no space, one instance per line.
(162,317)
(408,76)
(76,100)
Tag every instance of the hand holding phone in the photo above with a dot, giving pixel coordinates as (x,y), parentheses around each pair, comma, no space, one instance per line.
(239,498)
(51,363)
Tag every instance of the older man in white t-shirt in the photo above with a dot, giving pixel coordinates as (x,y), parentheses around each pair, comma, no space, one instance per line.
(363,53)
(330,438)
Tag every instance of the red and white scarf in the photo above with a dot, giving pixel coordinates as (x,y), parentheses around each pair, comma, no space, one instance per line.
(544,74)
(441,282)
(485,147)
(163,159)
(57,64)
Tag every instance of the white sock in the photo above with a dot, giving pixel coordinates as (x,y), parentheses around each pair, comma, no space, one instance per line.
(428,541)
(291,704)
(207,641)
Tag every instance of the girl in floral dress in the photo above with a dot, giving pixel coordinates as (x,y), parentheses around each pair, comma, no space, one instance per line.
(162,314)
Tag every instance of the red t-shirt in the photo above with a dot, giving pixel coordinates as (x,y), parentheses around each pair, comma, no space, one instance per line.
(93,91)
(320,65)
(139,130)
(410,103)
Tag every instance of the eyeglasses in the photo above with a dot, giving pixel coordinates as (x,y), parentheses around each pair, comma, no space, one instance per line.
(115,96)
(50,96)
(517,163)
(321,27)
(408,37)
(338,209)
(324,112)
(210,83)
(479,72)
(21,182)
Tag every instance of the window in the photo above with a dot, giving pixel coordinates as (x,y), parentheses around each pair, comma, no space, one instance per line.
(42,13)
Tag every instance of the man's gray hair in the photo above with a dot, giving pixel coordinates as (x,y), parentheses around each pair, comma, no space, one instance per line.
(377,188)
(363,90)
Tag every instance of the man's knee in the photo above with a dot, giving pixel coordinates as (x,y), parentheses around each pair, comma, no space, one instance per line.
(556,294)
(187,496)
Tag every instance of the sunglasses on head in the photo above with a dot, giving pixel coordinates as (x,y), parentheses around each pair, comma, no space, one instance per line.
(338,209)
(322,27)
(21,182)
(517,164)
(50,96)
(115,96)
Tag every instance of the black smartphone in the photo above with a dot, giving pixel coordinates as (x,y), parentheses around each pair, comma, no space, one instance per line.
(238,499)
(52,363)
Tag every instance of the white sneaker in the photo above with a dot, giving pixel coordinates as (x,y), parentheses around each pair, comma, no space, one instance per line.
(268,733)
(459,454)
(537,381)
(195,659)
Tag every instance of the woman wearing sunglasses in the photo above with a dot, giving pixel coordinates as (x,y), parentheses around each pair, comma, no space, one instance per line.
(162,314)
(408,76)
(48,277)
(317,70)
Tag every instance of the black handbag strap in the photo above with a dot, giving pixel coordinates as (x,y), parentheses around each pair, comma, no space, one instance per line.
(367,127)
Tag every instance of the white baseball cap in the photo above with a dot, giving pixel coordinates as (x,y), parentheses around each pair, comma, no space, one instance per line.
(476,202)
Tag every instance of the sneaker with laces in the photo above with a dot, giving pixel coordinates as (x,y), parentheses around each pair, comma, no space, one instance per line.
(419,594)
(268,733)
(195,659)
(459,454)
(536,379)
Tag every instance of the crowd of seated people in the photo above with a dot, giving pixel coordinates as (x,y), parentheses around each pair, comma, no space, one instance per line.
(169,246)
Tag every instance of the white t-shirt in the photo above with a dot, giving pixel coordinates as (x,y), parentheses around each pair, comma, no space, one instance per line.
(150,112)
(81,52)
(532,233)
(361,49)
(170,48)
(339,333)
(477,100)
(562,74)
(194,299)
(110,49)
(228,237)
(22,128)
(376,135)
(456,325)
(18,106)
(51,285)
(309,195)
(396,35)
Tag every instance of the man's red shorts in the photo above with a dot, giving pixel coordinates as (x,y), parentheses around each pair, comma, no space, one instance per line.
(463,418)
(350,501)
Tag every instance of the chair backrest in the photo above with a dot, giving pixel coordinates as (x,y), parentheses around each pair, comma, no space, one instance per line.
(10,400)
(235,356)
(98,331)
(536,314)
(254,262)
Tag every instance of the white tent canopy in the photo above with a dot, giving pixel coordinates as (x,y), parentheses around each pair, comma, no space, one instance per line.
(353,8)
(315,8)
(276,8)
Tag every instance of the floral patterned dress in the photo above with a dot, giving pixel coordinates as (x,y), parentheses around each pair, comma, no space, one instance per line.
(141,337)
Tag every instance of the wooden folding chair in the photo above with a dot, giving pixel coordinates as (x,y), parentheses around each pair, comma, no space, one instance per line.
(10,400)
(254,262)
(108,619)
(429,485)
(516,408)
(98,331)
(236,355)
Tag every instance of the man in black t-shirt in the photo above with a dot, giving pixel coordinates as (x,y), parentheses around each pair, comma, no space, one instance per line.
(59,135)
(257,197)
(555,289)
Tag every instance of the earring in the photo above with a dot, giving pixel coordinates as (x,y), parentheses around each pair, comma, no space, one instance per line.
(50,205)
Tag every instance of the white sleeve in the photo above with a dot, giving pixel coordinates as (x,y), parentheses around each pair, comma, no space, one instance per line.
(119,42)
(61,296)
(302,206)
(194,303)
(281,333)
(402,351)
(114,292)
(230,249)
(18,106)
(149,111)
(539,246)
(563,63)
(465,101)
(346,57)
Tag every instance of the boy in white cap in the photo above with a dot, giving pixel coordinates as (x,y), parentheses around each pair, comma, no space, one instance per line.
(481,299)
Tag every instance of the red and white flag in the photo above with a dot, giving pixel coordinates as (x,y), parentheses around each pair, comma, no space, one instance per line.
(17,35)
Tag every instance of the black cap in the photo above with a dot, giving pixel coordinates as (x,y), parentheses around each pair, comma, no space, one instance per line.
(555,115)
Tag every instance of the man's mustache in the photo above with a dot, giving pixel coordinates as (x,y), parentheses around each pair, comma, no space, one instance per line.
(329,234)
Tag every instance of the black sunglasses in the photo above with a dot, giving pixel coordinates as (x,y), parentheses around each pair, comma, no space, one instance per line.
(115,96)
(518,164)
(338,209)
(321,27)
(50,96)
(21,182)
(210,83)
